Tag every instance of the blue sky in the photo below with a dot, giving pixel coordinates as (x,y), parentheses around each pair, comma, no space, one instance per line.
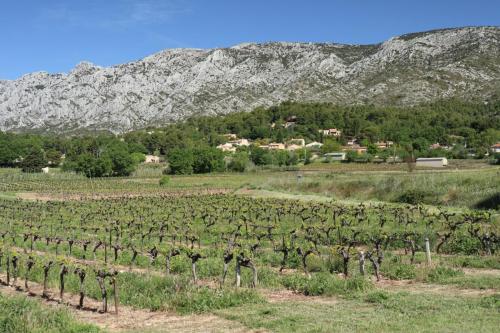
(54,35)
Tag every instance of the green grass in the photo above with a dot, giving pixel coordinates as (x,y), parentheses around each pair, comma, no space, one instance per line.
(374,312)
(22,315)
(461,187)
(451,188)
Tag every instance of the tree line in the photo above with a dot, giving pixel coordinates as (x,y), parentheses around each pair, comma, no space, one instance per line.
(189,146)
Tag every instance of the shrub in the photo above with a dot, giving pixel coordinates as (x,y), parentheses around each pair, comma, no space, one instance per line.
(462,244)
(204,299)
(378,297)
(491,302)
(138,157)
(165,180)
(325,284)
(399,271)
(414,197)
(239,162)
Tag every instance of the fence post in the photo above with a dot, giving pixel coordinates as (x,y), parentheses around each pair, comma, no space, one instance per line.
(428,251)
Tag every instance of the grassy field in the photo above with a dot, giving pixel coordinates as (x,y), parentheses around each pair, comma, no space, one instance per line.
(467,184)
(458,292)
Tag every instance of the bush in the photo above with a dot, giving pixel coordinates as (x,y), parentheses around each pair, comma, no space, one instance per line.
(165,180)
(491,302)
(414,197)
(203,299)
(399,271)
(138,158)
(325,284)
(463,244)
(377,297)
(239,162)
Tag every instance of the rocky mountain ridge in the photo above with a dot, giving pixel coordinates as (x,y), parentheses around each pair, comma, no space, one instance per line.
(174,84)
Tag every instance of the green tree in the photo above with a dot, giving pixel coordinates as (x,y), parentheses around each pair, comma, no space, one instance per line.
(122,162)
(138,158)
(372,149)
(259,156)
(239,162)
(207,159)
(53,157)
(330,146)
(91,166)
(180,161)
(34,161)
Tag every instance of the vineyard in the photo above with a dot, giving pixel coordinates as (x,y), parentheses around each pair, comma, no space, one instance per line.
(211,253)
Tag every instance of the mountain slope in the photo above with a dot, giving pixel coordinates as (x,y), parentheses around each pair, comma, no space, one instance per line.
(177,83)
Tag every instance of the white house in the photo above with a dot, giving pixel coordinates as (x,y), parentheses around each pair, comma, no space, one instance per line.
(314,145)
(293,147)
(240,142)
(274,146)
(495,148)
(152,159)
(331,132)
(338,156)
(45,170)
(432,162)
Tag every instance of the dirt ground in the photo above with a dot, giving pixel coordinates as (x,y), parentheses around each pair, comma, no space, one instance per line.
(128,319)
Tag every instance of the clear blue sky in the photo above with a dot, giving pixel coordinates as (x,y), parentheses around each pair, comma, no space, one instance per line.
(54,35)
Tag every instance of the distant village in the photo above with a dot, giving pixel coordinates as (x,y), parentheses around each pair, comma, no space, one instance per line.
(352,145)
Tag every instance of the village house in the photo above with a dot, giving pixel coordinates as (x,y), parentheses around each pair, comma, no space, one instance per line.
(314,145)
(331,132)
(432,162)
(355,147)
(495,148)
(300,142)
(293,147)
(274,146)
(152,159)
(384,144)
(437,145)
(231,146)
(45,170)
(240,142)
(227,147)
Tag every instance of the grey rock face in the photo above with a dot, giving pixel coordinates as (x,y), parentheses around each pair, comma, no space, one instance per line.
(174,84)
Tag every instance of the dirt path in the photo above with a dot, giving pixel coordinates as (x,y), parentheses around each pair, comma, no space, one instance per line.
(128,319)
(481,271)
